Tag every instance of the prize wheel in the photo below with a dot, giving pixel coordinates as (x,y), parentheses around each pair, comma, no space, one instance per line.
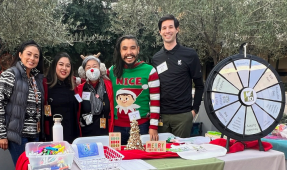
(244,97)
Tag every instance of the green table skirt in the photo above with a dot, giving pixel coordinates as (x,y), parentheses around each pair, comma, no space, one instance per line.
(182,164)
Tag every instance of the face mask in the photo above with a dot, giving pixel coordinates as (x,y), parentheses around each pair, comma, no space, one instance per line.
(93,74)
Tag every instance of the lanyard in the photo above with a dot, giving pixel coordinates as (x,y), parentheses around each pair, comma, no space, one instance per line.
(34,87)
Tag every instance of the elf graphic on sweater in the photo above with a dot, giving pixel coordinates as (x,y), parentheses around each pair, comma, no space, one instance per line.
(126,98)
(137,90)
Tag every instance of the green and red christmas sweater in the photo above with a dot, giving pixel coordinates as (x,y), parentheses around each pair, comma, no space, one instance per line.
(137,90)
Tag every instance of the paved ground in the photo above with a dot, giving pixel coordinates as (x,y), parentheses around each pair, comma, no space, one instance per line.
(6,160)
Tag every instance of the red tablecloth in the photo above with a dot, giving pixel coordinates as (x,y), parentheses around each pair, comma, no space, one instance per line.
(23,161)
(139,154)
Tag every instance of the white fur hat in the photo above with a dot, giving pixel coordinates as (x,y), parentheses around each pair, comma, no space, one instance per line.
(81,70)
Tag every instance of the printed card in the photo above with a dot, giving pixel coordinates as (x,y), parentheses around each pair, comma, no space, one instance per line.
(115,140)
(134,116)
(161,68)
(156,146)
(87,150)
(103,123)
(86,95)
(78,98)
(47,109)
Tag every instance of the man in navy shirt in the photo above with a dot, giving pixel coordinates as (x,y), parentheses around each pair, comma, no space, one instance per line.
(177,67)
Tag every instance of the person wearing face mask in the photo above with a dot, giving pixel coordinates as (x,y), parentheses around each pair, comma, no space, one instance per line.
(96,110)
(21,100)
(60,99)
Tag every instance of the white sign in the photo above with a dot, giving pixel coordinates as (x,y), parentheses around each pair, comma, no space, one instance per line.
(243,70)
(230,73)
(86,95)
(256,71)
(222,85)
(268,79)
(226,113)
(134,116)
(251,125)
(237,123)
(272,93)
(220,99)
(273,108)
(162,68)
(263,118)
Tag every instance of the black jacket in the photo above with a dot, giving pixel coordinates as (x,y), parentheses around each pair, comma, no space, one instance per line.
(16,107)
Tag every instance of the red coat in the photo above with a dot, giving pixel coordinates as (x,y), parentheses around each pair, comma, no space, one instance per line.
(109,89)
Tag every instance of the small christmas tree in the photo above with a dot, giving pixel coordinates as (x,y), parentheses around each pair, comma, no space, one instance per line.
(134,141)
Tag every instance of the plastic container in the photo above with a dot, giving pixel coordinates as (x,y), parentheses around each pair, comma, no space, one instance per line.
(110,160)
(47,161)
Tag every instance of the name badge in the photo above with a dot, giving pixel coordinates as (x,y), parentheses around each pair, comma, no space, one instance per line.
(47,109)
(78,98)
(38,127)
(161,68)
(103,123)
(86,95)
(134,116)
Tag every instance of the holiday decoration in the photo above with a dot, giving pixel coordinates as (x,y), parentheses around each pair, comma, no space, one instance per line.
(115,140)
(134,141)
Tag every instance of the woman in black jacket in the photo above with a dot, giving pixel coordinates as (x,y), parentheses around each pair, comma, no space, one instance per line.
(61,98)
(21,100)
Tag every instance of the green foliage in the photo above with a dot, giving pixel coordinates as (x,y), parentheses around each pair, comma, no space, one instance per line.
(22,20)
(215,28)
(284,119)
(139,19)
(88,22)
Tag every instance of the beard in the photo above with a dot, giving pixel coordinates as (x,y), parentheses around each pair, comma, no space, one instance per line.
(131,65)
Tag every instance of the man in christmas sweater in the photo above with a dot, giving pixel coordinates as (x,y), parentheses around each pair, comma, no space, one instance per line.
(136,88)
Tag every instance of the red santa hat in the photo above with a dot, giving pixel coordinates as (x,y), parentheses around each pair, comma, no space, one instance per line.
(135,92)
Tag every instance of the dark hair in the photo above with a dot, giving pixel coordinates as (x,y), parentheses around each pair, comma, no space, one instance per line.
(5,61)
(118,61)
(52,75)
(168,17)
(22,47)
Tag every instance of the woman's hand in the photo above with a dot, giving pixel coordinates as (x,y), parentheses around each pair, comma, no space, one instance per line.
(4,144)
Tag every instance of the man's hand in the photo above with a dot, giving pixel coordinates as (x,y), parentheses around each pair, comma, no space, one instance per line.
(193,113)
(4,144)
(153,135)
